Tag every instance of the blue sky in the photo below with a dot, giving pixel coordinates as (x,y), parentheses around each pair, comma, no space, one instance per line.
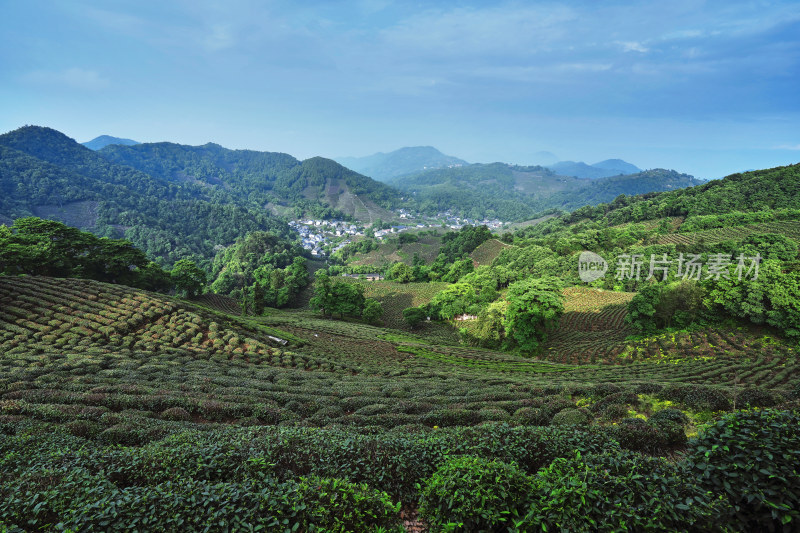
(707,88)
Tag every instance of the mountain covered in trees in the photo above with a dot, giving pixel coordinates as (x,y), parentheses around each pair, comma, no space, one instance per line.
(175,201)
(274,181)
(513,192)
(408,160)
(104,140)
(47,174)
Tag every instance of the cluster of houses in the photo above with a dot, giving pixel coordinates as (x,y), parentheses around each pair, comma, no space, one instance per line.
(455,222)
(314,234)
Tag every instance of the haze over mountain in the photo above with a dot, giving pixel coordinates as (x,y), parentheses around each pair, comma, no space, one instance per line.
(104,140)
(608,167)
(513,192)
(408,160)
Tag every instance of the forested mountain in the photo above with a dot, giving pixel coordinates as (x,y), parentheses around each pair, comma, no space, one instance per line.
(514,192)
(263,179)
(744,193)
(606,189)
(408,160)
(104,140)
(45,173)
(603,169)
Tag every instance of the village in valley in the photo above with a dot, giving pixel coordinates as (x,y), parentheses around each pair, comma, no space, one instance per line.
(325,237)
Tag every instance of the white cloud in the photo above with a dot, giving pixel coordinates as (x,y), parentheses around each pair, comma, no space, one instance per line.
(632,46)
(75,78)
(788,147)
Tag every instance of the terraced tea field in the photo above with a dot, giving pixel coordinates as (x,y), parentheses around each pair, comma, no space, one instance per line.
(139,384)
(592,328)
(789,228)
(124,363)
(487,252)
(394,296)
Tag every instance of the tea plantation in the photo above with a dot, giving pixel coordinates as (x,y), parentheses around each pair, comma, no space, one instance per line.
(122,409)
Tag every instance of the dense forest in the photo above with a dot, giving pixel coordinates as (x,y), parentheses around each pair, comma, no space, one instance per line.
(44,172)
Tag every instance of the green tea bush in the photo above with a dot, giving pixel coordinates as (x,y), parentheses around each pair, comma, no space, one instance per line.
(756,397)
(697,397)
(650,437)
(176,414)
(619,491)
(341,506)
(474,494)
(570,417)
(752,458)
(615,412)
(672,414)
(601,390)
(617,398)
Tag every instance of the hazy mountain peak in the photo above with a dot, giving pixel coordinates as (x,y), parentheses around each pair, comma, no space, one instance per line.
(407,160)
(102,141)
(603,169)
(545,158)
(618,164)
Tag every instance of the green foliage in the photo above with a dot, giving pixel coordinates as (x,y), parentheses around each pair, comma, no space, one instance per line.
(188,278)
(337,296)
(456,244)
(373,311)
(258,257)
(47,248)
(414,316)
(653,436)
(457,299)
(570,417)
(534,306)
(773,298)
(619,491)
(750,458)
(473,494)
(458,270)
(656,306)
(401,272)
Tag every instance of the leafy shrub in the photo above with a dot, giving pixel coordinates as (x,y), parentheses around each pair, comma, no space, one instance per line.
(493,414)
(615,411)
(619,491)
(570,417)
(339,505)
(640,435)
(617,398)
(176,414)
(751,458)
(474,494)
(601,390)
(756,397)
(531,416)
(672,414)
(697,397)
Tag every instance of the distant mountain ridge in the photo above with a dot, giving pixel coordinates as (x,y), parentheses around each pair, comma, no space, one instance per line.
(603,169)
(408,160)
(98,143)
(512,192)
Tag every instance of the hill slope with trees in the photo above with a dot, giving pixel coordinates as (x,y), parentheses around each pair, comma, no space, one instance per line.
(43,172)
